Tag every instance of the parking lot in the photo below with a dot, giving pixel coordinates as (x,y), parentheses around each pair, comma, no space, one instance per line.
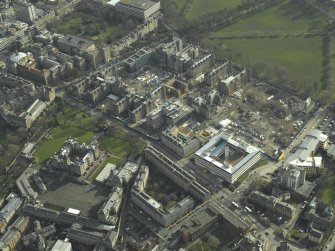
(65,193)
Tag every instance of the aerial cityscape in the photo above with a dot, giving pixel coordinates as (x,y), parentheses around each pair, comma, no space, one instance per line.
(187,125)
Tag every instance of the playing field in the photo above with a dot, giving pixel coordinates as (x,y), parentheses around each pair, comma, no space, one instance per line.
(286,17)
(201,7)
(301,58)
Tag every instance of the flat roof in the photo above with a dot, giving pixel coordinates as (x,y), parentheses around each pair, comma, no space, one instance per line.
(75,41)
(307,147)
(139,4)
(250,151)
(73,211)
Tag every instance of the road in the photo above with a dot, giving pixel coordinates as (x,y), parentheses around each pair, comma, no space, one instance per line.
(330,244)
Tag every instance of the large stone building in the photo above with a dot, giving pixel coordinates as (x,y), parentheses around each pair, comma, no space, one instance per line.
(73,157)
(180,140)
(25,11)
(320,215)
(152,207)
(178,175)
(272,204)
(26,118)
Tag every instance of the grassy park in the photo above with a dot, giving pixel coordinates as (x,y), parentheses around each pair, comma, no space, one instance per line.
(58,135)
(200,7)
(327,190)
(100,28)
(300,57)
(72,123)
(285,17)
(280,39)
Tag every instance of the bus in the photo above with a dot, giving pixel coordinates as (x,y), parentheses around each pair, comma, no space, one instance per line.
(248,210)
(235,204)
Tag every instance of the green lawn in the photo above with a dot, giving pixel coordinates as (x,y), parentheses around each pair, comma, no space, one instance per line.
(200,7)
(117,146)
(48,147)
(179,4)
(328,194)
(102,27)
(72,124)
(72,116)
(300,57)
(286,17)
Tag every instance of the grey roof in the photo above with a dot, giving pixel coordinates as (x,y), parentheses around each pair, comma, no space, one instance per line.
(10,207)
(75,41)
(310,143)
(139,4)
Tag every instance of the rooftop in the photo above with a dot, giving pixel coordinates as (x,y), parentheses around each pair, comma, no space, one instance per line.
(139,4)
(227,152)
(75,41)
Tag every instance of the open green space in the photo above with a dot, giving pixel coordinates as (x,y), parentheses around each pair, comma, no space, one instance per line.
(100,27)
(179,4)
(72,116)
(201,7)
(300,58)
(287,17)
(58,135)
(116,145)
(72,124)
(328,194)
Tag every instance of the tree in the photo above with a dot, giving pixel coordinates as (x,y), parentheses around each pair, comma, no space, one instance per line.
(213,242)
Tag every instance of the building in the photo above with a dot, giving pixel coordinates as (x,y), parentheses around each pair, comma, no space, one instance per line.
(121,176)
(8,211)
(304,157)
(42,69)
(200,66)
(14,233)
(25,11)
(23,184)
(178,175)
(227,157)
(180,140)
(320,215)
(61,245)
(141,30)
(221,72)
(315,235)
(142,9)
(26,118)
(233,83)
(74,157)
(139,59)
(142,178)
(111,206)
(291,178)
(272,204)
(198,224)
(71,44)
(105,173)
